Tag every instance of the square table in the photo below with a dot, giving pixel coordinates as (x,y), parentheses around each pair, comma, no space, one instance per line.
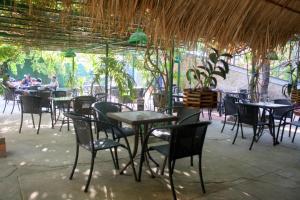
(62,101)
(137,119)
(271,106)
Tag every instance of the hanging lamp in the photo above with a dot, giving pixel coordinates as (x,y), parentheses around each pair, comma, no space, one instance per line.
(138,37)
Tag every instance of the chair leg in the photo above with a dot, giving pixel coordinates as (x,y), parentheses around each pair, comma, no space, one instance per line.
(4,106)
(201,174)
(171,167)
(21,122)
(32,120)
(163,166)
(242,130)
(282,131)
(192,161)
(62,123)
(91,172)
(295,134)
(253,138)
(290,130)
(116,157)
(75,162)
(39,124)
(51,113)
(224,123)
(12,110)
(235,120)
(236,133)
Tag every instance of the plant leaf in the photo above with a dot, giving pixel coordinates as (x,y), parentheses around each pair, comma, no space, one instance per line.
(222,70)
(216,51)
(219,74)
(228,55)
(225,64)
(213,82)
(211,69)
(189,75)
(213,57)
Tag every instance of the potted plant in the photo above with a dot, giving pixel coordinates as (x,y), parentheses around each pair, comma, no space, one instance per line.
(205,76)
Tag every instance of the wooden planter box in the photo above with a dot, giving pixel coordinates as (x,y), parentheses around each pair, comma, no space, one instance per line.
(295,96)
(200,98)
(2,147)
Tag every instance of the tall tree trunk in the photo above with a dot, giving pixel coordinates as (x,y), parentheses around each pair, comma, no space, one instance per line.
(254,78)
(265,67)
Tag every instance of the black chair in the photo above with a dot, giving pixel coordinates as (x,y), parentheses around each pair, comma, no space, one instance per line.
(250,114)
(84,139)
(60,106)
(10,95)
(100,96)
(230,107)
(101,109)
(279,112)
(186,115)
(186,140)
(288,119)
(46,103)
(81,105)
(31,105)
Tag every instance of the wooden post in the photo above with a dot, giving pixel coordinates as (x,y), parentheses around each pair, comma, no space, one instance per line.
(2,147)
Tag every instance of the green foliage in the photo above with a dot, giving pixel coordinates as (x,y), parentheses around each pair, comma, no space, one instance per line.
(205,75)
(116,71)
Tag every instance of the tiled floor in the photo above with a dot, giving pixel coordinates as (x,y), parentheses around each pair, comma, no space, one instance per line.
(38,166)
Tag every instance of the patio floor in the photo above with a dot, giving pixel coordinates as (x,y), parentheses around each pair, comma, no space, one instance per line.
(38,166)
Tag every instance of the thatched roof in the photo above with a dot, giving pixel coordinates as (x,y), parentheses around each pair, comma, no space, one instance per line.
(88,24)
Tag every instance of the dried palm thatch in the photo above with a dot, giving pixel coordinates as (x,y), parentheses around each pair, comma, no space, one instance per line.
(259,24)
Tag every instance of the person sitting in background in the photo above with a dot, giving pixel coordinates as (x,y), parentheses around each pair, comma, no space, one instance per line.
(54,83)
(7,82)
(27,80)
(38,82)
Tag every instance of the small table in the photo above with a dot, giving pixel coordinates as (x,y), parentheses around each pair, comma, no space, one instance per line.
(137,119)
(61,100)
(271,107)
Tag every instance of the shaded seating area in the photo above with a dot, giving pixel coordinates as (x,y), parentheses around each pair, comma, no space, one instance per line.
(85,139)
(142,87)
(186,140)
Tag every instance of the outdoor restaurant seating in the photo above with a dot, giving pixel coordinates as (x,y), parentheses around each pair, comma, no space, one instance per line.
(10,95)
(60,106)
(186,140)
(85,139)
(289,119)
(46,106)
(250,114)
(31,105)
(102,108)
(230,109)
(185,115)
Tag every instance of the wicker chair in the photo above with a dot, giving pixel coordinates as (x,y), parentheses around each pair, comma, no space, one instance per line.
(249,114)
(186,140)
(81,105)
(31,105)
(230,110)
(101,109)
(84,139)
(10,95)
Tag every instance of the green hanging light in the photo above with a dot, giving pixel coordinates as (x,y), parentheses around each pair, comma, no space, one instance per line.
(69,53)
(138,37)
